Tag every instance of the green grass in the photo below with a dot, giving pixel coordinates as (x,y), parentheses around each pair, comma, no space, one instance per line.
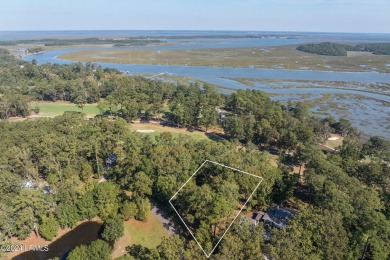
(147,234)
(193,136)
(334,143)
(273,160)
(56,108)
(176,132)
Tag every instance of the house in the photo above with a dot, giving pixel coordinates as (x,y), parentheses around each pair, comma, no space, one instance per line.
(222,114)
(29,184)
(259,217)
(276,216)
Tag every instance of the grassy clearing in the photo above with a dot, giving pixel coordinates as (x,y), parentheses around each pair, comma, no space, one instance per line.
(52,109)
(281,57)
(158,129)
(148,234)
(273,160)
(58,108)
(335,143)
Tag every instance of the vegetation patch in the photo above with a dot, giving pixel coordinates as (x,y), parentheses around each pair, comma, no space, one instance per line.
(147,234)
(286,57)
(158,129)
(334,141)
(58,108)
(326,48)
(337,49)
(208,211)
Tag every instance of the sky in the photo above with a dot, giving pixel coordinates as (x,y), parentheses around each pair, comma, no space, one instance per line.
(365,16)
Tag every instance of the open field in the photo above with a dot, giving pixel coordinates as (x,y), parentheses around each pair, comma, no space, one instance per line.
(281,57)
(147,234)
(334,142)
(158,129)
(51,109)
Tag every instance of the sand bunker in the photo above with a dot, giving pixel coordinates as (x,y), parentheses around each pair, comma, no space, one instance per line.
(145,131)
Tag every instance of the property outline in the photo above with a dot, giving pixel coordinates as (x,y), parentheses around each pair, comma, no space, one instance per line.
(235,169)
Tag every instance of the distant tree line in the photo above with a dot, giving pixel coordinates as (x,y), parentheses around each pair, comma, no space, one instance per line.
(63,42)
(337,49)
(375,48)
(326,48)
(34,49)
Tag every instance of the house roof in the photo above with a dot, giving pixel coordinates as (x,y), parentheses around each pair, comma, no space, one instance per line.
(278,216)
(259,215)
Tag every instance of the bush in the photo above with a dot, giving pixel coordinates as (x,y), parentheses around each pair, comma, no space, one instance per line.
(129,210)
(98,249)
(49,227)
(143,210)
(113,229)
(36,110)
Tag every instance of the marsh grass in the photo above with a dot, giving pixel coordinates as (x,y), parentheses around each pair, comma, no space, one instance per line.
(281,57)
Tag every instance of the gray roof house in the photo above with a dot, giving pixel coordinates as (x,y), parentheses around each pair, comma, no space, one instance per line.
(276,216)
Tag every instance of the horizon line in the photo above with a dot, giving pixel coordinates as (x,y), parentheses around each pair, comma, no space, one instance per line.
(189,30)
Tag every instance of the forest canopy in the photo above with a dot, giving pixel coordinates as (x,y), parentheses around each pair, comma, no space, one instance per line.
(337,49)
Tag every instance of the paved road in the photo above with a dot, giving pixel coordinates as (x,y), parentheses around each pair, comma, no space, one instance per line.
(167,223)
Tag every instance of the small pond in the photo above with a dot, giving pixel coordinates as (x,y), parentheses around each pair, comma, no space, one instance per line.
(84,233)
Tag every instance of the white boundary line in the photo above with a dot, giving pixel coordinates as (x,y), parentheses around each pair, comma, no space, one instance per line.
(208,255)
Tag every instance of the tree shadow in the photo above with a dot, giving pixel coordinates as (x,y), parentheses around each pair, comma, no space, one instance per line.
(216,137)
(167,212)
